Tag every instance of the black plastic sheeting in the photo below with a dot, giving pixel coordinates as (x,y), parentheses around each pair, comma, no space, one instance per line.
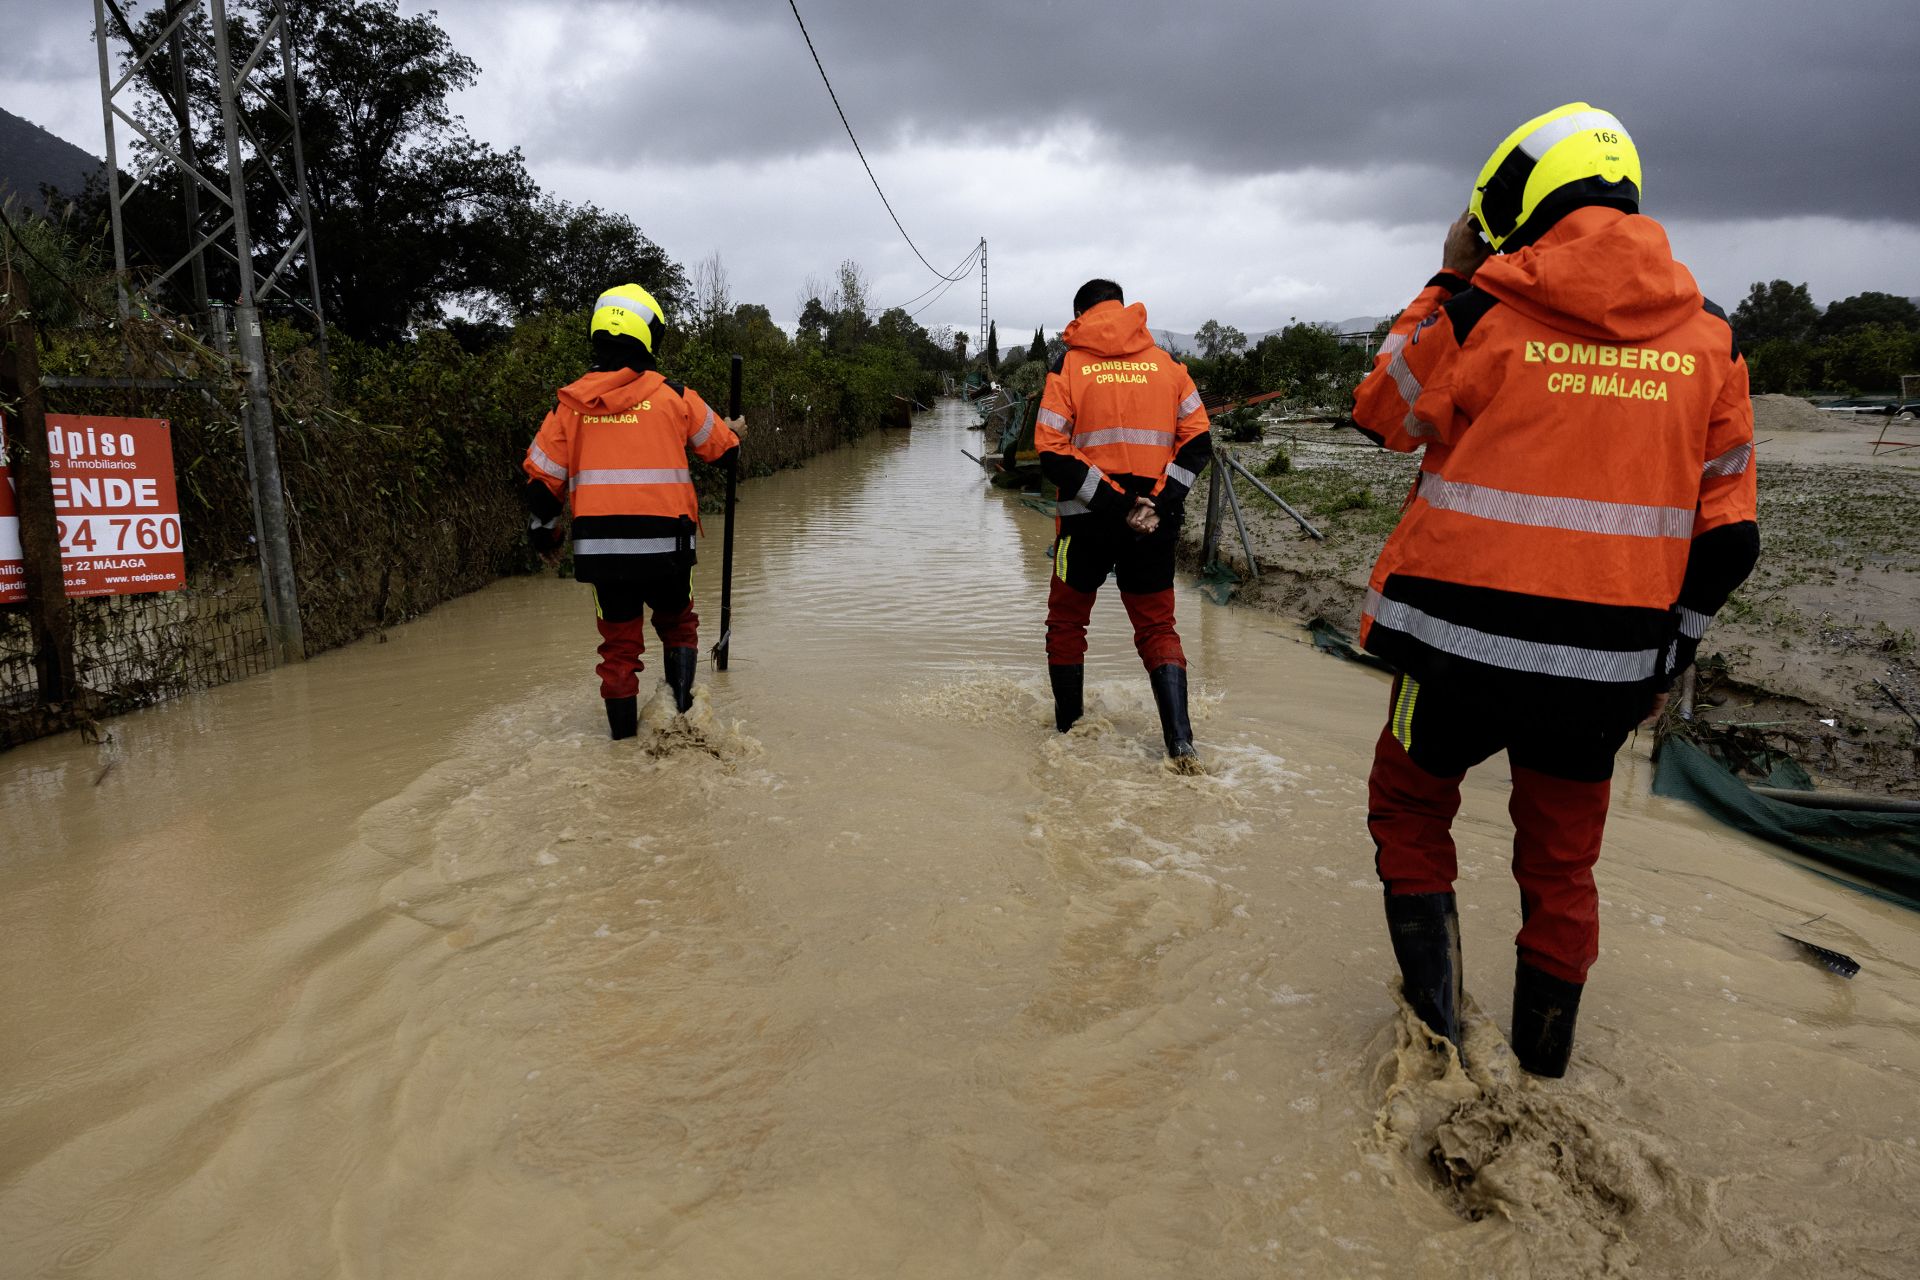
(1878,853)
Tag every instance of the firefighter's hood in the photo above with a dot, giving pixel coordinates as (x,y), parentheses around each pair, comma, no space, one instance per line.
(1598,273)
(1109,329)
(614,391)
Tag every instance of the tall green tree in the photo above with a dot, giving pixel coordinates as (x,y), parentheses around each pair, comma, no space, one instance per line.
(549,255)
(1775,309)
(993,345)
(1887,310)
(1038,351)
(1216,340)
(1870,357)
(1779,365)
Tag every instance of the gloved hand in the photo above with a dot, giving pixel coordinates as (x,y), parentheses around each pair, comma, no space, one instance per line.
(544,538)
(738,426)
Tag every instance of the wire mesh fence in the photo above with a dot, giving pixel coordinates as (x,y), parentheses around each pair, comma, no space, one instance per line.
(133,651)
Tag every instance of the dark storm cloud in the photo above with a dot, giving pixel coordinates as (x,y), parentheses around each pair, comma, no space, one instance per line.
(1740,109)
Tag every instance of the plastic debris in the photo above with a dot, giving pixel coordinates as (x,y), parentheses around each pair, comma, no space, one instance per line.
(1844,965)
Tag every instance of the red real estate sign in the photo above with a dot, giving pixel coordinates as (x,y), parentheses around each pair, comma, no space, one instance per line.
(114,498)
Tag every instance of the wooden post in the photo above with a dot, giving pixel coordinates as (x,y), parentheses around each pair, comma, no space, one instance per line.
(33,483)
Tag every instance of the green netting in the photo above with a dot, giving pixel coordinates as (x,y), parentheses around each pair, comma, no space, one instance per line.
(1876,852)
(1218,582)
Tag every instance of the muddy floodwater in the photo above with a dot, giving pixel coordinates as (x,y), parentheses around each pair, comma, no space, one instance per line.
(391,965)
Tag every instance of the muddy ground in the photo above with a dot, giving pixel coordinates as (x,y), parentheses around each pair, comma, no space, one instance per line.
(1819,652)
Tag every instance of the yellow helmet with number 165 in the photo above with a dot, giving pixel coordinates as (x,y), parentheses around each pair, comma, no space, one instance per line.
(1572,155)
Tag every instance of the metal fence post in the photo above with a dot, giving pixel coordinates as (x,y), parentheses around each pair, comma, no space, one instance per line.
(47,606)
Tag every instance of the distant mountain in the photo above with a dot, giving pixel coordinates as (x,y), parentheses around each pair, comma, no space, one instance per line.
(31,157)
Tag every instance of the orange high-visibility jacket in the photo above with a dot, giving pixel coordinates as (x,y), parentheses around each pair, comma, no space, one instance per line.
(1120,417)
(616,448)
(1586,501)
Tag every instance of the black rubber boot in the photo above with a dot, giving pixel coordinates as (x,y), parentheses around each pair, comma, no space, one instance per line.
(623,717)
(1544,1011)
(1170,695)
(1425,928)
(1069,684)
(680,663)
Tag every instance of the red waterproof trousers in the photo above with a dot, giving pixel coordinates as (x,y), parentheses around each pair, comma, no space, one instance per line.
(1089,548)
(1562,771)
(619,607)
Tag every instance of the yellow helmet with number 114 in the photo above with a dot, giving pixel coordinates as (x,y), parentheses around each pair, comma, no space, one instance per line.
(628,311)
(1570,156)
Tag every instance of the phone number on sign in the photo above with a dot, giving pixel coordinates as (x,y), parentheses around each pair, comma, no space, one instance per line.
(98,535)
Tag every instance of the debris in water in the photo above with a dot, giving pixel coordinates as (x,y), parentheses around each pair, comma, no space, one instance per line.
(1844,965)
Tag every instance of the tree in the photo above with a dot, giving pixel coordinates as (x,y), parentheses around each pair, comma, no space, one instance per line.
(411,214)
(752,328)
(712,297)
(849,324)
(1888,310)
(1038,351)
(1775,310)
(1216,339)
(555,256)
(814,321)
(1869,358)
(852,291)
(404,200)
(1779,365)
(993,346)
(1307,360)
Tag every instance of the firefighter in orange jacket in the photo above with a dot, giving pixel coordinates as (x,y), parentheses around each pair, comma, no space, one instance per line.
(1585,505)
(616,449)
(1122,436)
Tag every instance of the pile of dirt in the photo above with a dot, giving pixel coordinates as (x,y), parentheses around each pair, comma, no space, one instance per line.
(1791,413)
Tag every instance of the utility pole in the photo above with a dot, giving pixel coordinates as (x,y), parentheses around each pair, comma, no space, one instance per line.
(26,452)
(269,498)
(189,193)
(279,156)
(281,159)
(983,296)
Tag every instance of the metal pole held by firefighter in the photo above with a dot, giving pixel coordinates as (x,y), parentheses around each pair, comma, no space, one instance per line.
(725,642)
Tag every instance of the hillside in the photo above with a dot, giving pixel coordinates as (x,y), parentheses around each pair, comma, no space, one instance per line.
(30,157)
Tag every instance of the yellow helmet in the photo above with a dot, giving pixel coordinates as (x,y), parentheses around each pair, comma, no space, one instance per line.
(628,311)
(1576,149)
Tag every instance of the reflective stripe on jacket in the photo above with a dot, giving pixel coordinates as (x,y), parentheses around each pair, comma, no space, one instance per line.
(615,448)
(1587,431)
(1119,416)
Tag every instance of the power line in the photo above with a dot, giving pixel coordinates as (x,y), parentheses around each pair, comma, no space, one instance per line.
(792,4)
(936,297)
(959,273)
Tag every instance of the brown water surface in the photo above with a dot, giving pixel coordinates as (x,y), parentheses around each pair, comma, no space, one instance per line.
(391,965)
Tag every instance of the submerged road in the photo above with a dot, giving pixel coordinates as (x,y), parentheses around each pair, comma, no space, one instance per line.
(391,965)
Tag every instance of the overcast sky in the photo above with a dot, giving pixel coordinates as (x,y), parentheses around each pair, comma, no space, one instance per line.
(1243,160)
